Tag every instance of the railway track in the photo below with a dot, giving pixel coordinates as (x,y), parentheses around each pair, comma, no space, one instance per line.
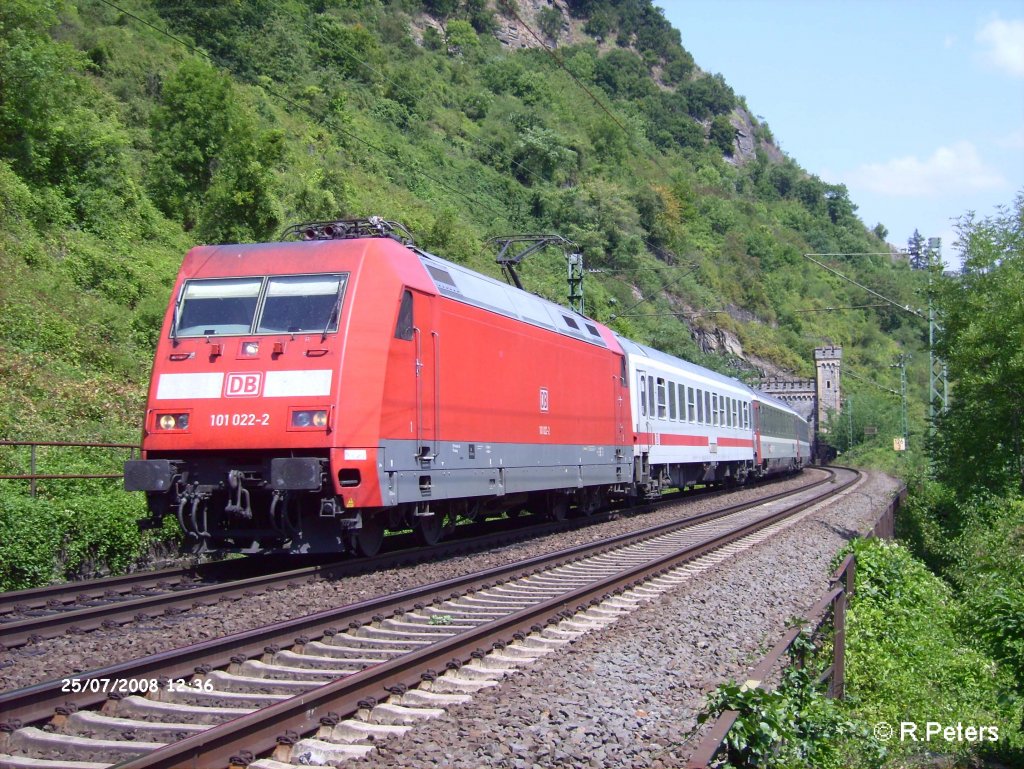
(37,614)
(360,673)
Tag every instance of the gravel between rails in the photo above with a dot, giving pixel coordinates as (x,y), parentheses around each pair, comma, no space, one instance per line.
(59,657)
(628,696)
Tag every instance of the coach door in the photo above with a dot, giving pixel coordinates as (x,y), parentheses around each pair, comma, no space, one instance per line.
(755,420)
(427,372)
(644,416)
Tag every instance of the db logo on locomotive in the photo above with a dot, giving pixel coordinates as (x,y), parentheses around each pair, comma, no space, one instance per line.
(247,385)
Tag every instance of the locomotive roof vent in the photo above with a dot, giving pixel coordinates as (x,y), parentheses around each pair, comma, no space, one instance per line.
(344,229)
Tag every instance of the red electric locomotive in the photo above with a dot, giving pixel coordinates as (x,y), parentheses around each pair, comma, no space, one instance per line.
(308,395)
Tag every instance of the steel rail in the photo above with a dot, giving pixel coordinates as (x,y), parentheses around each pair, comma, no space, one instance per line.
(33,598)
(120,611)
(37,702)
(258,732)
(124,609)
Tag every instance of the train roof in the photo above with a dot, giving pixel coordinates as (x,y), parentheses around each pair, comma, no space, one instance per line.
(636,348)
(779,404)
(466,285)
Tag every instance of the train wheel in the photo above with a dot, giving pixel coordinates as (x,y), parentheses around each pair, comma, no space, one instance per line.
(367,540)
(429,528)
(557,506)
(588,500)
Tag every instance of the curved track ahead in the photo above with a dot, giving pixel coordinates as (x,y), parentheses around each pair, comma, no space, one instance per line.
(33,615)
(251,693)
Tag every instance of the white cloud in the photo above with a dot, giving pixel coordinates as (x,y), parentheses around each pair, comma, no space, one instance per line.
(1003,44)
(954,169)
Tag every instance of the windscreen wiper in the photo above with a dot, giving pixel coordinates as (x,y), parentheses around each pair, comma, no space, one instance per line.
(336,310)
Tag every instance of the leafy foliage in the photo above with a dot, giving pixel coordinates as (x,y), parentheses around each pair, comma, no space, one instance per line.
(794,725)
(907,662)
(981,437)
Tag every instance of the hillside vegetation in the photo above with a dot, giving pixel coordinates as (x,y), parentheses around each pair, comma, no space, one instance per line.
(131,131)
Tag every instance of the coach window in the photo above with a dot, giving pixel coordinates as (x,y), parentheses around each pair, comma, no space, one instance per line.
(643,395)
(691,411)
(714,409)
(700,407)
(403,329)
(650,396)
(672,400)
(662,410)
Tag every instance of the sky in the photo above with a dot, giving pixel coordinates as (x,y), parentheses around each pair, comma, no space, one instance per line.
(917,106)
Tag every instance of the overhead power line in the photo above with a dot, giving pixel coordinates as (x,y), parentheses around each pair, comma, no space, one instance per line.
(851,307)
(887,300)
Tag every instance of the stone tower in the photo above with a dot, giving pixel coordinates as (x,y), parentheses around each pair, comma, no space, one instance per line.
(828,361)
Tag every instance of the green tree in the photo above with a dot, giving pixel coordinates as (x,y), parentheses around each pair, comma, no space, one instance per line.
(241,204)
(980,441)
(916,251)
(723,134)
(189,130)
(461,36)
(550,22)
(442,9)
(624,74)
(709,95)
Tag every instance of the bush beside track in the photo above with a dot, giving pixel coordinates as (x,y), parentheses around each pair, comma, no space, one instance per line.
(44,540)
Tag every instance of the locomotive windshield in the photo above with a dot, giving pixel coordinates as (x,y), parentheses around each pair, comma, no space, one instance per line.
(301,303)
(280,304)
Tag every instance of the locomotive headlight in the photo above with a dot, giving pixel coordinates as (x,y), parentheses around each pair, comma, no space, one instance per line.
(311,418)
(172,421)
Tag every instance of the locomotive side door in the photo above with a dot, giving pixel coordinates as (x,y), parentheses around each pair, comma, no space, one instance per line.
(620,390)
(427,373)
